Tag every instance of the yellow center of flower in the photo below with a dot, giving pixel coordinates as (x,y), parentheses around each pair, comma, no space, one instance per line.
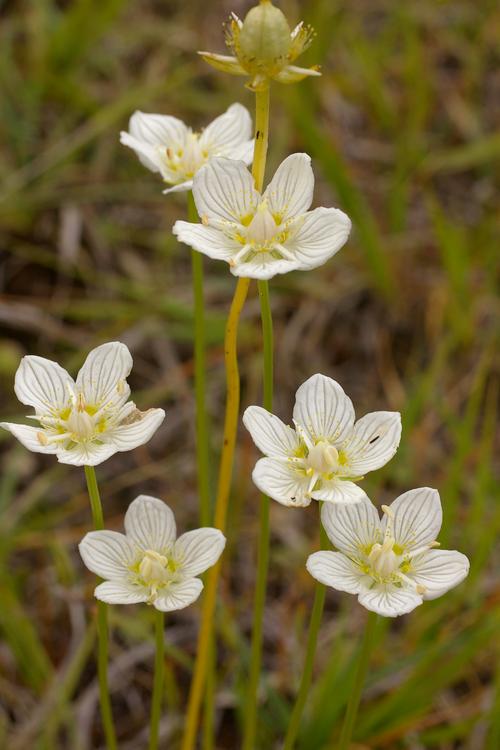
(386,562)
(262,228)
(186,160)
(79,422)
(156,571)
(322,458)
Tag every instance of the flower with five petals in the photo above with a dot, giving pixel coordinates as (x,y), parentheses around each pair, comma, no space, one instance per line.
(391,564)
(166,145)
(260,236)
(327,452)
(87,421)
(147,563)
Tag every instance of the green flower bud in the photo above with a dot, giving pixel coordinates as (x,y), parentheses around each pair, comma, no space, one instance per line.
(264,48)
(264,39)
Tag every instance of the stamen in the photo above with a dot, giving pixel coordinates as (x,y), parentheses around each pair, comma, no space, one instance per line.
(314,479)
(285,252)
(71,393)
(418,587)
(239,255)
(303,435)
(390,518)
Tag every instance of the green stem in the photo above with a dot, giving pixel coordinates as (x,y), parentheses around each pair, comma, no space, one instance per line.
(250,723)
(102,622)
(202,440)
(359,679)
(312,638)
(159,678)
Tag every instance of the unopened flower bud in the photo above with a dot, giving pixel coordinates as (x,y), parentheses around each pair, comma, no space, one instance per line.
(264,39)
(264,48)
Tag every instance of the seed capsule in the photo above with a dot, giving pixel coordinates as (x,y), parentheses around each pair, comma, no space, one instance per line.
(264,39)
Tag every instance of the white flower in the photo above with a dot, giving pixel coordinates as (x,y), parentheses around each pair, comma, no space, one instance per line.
(262,235)
(166,145)
(392,565)
(86,422)
(147,564)
(327,452)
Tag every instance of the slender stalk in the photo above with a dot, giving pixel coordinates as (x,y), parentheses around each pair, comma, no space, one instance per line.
(258,170)
(228,446)
(202,441)
(359,679)
(250,724)
(102,622)
(208,738)
(312,638)
(261,136)
(159,678)
(221,503)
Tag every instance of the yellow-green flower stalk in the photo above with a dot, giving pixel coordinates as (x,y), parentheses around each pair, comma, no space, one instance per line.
(264,48)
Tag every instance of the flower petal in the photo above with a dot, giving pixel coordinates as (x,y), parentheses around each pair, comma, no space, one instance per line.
(228,131)
(121,592)
(150,156)
(28,436)
(339,491)
(290,192)
(280,481)
(243,152)
(182,187)
(336,570)
(158,130)
(86,454)
(198,550)
(42,384)
(417,518)
(226,63)
(107,553)
(150,523)
(102,377)
(292,74)
(439,570)
(319,235)
(323,409)
(127,436)
(224,189)
(373,442)
(263,266)
(207,240)
(269,434)
(179,595)
(352,527)
(389,600)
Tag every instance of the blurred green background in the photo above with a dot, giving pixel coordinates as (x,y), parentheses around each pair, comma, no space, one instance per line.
(401,128)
